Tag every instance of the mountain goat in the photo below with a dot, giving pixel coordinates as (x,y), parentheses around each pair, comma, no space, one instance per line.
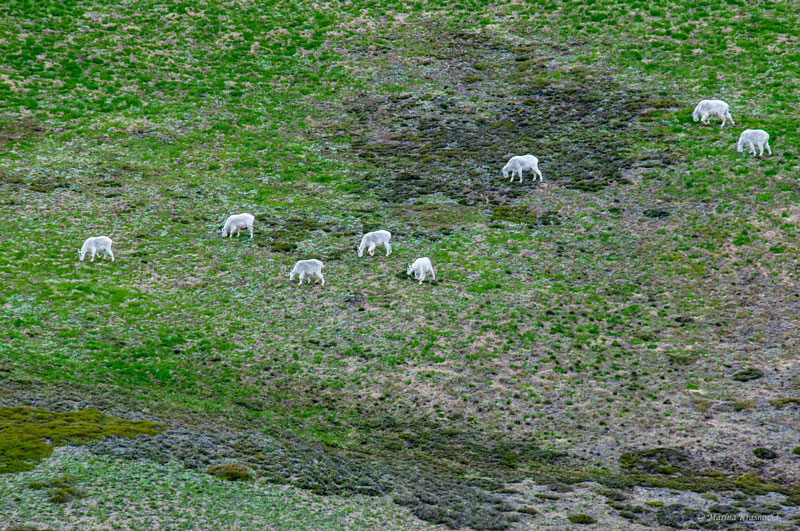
(307,267)
(753,138)
(373,239)
(708,108)
(420,268)
(236,223)
(95,245)
(516,165)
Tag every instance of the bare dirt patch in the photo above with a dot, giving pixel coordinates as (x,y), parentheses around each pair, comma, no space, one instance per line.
(475,103)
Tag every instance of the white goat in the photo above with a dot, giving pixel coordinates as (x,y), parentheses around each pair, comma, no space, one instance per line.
(708,108)
(236,223)
(307,267)
(420,268)
(518,164)
(373,239)
(753,138)
(95,245)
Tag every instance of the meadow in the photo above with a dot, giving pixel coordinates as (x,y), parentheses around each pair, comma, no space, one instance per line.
(628,324)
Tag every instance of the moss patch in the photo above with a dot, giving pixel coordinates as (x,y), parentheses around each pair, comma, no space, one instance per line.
(62,489)
(741,405)
(581,519)
(745,375)
(780,402)
(232,472)
(764,453)
(613,494)
(655,460)
(656,213)
(28,435)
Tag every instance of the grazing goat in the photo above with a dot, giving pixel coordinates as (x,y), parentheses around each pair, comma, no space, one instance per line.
(307,267)
(708,108)
(236,223)
(516,165)
(420,268)
(95,245)
(753,138)
(373,239)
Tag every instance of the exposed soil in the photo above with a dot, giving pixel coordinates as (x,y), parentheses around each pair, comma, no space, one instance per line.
(477,105)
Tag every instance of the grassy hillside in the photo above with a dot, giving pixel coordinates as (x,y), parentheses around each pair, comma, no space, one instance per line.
(644,296)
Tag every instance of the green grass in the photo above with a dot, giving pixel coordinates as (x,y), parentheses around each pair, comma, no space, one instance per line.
(126,494)
(655,262)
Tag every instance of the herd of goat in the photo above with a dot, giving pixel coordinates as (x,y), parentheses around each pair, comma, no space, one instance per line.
(422,267)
